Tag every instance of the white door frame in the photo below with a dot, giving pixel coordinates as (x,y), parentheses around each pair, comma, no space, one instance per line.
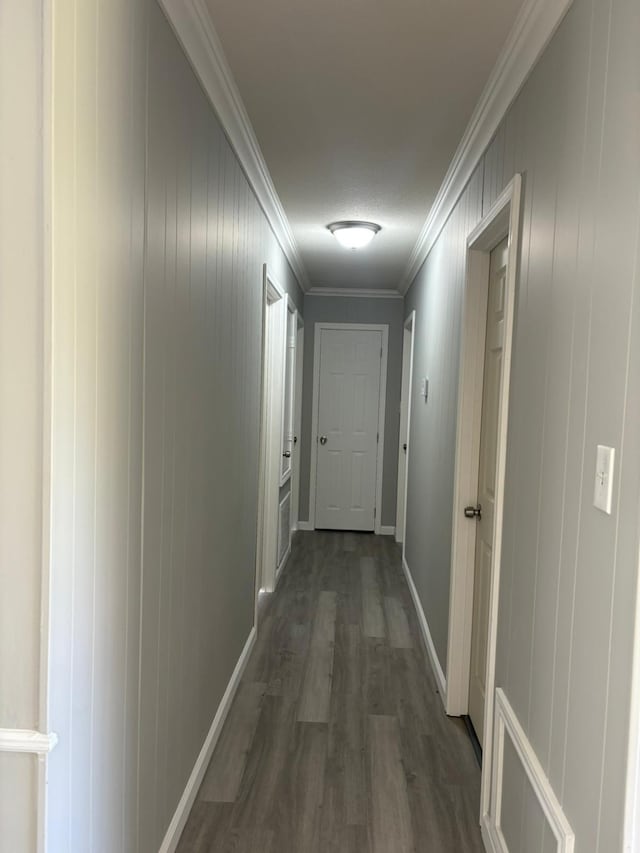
(503,220)
(356,327)
(287,416)
(274,316)
(297,425)
(405,416)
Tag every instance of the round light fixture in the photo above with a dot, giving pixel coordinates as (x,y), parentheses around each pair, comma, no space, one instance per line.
(353,234)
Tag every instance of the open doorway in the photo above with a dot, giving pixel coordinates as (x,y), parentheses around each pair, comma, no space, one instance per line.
(405,425)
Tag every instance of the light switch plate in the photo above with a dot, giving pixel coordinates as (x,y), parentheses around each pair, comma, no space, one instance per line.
(603,489)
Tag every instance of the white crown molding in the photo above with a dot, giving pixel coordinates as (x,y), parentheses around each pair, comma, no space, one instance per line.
(195,31)
(27,740)
(356,292)
(531,32)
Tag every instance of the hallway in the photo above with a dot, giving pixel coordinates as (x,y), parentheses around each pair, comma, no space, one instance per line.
(337,740)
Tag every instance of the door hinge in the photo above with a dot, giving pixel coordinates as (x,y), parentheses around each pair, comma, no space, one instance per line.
(377,438)
(374,512)
(380,352)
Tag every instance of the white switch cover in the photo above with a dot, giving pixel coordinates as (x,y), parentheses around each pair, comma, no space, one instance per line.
(603,491)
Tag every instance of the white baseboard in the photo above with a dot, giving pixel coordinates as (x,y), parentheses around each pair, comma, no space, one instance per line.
(305,525)
(387,530)
(506,723)
(172,836)
(426,635)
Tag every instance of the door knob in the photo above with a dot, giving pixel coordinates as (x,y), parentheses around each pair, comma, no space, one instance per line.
(323,439)
(473,512)
(287,454)
(404,447)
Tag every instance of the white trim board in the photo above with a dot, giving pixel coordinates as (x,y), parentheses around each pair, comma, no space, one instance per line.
(409,326)
(382,407)
(354,292)
(27,741)
(532,31)
(274,308)
(194,28)
(179,819)
(426,634)
(387,530)
(506,722)
(305,525)
(501,221)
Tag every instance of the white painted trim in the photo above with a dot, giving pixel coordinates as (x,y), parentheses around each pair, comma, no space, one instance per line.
(270,432)
(502,220)
(179,819)
(409,326)
(426,634)
(354,292)
(491,842)
(27,740)
(194,28)
(297,425)
(382,404)
(631,840)
(305,525)
(533,29)
(47,232)
(387,530)
(506,722)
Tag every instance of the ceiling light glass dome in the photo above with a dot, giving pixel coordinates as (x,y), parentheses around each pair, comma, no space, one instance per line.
(353,234)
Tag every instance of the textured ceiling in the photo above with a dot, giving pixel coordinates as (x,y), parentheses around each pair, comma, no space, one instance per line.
(359,106)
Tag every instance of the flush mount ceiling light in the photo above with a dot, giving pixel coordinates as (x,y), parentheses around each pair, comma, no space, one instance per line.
(353,234)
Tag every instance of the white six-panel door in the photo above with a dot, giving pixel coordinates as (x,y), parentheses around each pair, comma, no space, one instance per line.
(494,350)
(347,428)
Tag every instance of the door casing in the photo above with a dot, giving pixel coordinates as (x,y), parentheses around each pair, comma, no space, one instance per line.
(271,415)
(502,220)
(297,425)
(408,340)
(360,327)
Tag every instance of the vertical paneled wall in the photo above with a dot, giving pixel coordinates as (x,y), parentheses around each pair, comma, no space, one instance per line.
(568,592)
(436,297)
(21,405)
(157,325)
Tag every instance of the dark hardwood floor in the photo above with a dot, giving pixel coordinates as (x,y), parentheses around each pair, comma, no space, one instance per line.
(337,741)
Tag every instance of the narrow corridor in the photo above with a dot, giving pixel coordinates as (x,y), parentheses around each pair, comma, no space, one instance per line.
(337,741)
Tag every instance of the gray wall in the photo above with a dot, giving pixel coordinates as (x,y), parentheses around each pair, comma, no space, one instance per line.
(568,588)
(22,307)
(158,300)
(327,309)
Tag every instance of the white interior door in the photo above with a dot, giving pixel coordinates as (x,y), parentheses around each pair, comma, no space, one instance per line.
(297,428)
(347,428)
(405,415)
(494,350)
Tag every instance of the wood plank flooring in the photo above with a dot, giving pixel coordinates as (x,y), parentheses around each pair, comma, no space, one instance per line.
(337,741)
